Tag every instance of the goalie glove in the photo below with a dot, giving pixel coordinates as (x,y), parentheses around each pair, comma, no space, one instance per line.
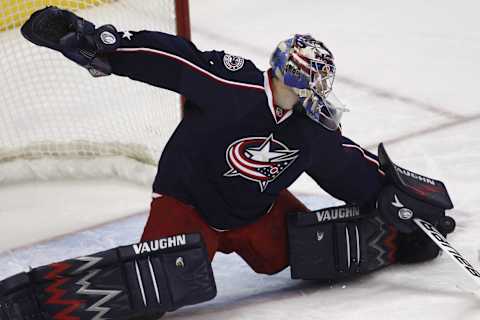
(74,37)
(410,195)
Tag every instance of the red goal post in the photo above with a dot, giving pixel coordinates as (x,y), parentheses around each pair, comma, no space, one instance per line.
(182,12)
(183,25)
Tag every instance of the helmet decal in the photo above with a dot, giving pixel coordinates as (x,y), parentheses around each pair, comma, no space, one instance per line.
(307,66)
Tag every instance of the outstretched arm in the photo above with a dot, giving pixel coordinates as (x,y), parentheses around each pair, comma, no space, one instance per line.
(174,63)
(156,58)
(159,59)
(347,171)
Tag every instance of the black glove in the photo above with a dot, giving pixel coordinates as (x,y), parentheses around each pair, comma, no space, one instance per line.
(398,209)
(407,196)
(74,37)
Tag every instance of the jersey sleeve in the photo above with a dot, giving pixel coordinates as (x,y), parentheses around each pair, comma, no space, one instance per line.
(347,172)
(174,63)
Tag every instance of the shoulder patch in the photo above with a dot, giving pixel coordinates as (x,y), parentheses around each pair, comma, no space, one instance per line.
(233,63)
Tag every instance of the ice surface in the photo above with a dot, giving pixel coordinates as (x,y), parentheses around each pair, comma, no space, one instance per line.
(424,291)
(408,70)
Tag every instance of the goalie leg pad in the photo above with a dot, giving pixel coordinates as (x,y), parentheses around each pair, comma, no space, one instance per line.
(141,280)
(337,242)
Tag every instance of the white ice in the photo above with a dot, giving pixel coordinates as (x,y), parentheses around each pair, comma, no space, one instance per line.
(408,71)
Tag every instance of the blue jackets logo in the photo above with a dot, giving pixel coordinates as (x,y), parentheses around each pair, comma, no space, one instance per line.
(233,63)
(259,159)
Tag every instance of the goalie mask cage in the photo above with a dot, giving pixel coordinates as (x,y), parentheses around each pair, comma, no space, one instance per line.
(56,120)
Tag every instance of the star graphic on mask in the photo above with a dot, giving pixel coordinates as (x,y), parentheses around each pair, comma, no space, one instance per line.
(127,35)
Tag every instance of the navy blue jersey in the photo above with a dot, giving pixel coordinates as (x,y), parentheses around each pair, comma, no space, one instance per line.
(235,150)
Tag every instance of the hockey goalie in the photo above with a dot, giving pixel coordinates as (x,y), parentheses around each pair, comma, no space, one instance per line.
(221,184)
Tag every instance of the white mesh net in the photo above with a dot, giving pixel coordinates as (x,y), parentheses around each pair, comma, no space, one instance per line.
(53,109)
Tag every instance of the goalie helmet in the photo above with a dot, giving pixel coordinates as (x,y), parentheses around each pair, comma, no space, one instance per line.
(307,66)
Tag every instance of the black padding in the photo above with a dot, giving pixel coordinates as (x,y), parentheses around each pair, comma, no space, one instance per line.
(311,249)
(189,277)
(162,282)
(134,286)
(19,281)
(17,299)
(149,282)
(140,280)
(338,248)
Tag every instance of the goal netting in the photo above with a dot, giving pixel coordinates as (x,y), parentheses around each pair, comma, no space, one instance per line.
(56,120)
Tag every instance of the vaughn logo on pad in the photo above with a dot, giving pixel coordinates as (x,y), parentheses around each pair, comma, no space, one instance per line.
(155,245)
(336,213)
(415,176)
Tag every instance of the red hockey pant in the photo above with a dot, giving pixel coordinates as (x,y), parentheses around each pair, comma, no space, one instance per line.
(263,244)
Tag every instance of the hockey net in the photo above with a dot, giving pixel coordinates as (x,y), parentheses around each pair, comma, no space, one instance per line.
(56,120)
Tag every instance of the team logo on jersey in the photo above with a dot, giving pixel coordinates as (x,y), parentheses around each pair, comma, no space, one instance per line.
(233,63)
(259,159)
